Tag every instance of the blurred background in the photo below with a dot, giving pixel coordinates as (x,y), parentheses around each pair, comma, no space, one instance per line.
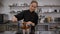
(48,12)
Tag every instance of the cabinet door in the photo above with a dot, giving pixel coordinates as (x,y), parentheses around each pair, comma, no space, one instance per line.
(1,18)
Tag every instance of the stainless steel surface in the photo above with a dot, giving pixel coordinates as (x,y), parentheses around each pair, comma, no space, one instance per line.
(9,32)
(37,32)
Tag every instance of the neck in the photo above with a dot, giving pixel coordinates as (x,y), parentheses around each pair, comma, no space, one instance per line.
(31,10)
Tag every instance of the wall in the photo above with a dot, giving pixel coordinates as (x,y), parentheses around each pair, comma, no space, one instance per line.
(49,2)
(6,3)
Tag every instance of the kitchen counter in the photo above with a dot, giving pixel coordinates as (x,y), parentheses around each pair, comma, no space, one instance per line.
(8,32)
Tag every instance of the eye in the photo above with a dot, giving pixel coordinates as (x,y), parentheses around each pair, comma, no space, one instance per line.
(34,6)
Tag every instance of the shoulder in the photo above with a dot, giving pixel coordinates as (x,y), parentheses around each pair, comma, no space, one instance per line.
(36,14)
(25,10)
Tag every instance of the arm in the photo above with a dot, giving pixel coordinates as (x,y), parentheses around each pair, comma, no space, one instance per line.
(14,19)
(36,20)
(18,17)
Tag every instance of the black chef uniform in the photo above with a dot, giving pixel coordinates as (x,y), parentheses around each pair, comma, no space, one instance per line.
(28,16)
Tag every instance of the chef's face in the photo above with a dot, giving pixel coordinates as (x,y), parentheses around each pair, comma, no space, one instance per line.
(33,6)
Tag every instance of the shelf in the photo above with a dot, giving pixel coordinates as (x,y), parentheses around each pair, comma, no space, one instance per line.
(50,6)
(38,6)
(18,6)
(42,28)
(46,23)
(51,13)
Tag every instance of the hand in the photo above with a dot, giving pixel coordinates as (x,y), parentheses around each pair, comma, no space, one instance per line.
(29,22)
(14,19)
(33,24)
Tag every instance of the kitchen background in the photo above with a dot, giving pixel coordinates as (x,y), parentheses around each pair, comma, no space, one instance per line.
(48,12)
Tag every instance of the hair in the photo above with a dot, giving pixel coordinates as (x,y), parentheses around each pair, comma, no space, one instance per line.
(34,2)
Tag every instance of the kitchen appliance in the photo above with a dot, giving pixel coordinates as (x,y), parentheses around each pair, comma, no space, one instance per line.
(57,19)
(3,18)
(55,10)
(48,19)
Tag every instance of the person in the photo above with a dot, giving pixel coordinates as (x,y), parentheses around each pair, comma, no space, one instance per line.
(29,16)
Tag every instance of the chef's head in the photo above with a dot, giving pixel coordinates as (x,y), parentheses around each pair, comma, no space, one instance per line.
(33,5)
